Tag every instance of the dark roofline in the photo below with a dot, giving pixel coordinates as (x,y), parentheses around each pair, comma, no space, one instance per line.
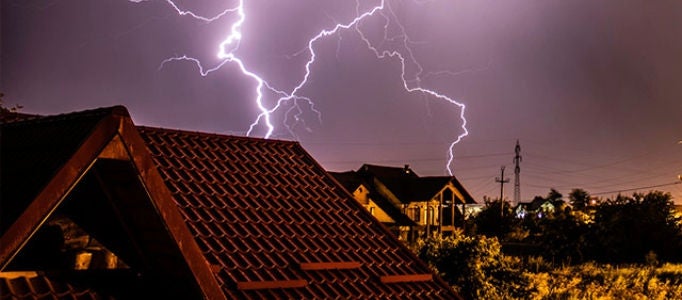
(21,119)
(389,168)
(388,180)
(209,134)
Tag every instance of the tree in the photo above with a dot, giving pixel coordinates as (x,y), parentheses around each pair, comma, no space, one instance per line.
(628,229)
(563,237)
(496,219)
(4,109)
(579,199)
(554,196)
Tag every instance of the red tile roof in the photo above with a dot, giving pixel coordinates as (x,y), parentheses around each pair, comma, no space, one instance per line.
(264,211)
(253,218)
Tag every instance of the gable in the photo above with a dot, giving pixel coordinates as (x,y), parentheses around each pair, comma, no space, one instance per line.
(32,154)
(102,183)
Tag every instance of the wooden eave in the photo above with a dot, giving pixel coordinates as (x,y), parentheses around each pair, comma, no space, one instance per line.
(114,137)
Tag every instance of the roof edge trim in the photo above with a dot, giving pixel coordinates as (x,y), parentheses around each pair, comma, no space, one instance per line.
(406,278)
(314,266)
(271,284)
(161,198)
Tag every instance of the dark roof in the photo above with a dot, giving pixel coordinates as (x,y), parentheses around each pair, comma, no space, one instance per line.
(397,179)
(350,180)
(256,218)
(389,172)
(425,188)
(408,187)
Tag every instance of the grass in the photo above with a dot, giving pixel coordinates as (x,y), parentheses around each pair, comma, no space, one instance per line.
(599,281)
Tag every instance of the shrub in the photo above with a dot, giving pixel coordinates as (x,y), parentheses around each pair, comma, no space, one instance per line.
(475,266)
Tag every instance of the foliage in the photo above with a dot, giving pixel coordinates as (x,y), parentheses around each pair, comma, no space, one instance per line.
(631,238)
(579,199)
(497,219)
(475,266)
(562,237)
(628,229)
(477,269)
(554,196)
(592,281)
(14,108)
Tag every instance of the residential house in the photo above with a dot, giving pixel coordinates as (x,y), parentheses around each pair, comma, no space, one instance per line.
(539,207)
(434,204)
(95,207)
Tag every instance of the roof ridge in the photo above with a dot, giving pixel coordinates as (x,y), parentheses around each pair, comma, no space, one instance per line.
(212,134)
(117,110)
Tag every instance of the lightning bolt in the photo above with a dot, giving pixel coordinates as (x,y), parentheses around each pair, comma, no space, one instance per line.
(410,83)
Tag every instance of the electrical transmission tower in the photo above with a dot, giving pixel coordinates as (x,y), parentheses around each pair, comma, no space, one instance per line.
(517,173)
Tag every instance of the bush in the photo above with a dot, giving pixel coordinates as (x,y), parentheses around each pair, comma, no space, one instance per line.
(593,281)
(475,266)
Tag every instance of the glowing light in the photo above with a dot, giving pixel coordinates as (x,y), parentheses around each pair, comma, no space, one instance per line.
(231,43)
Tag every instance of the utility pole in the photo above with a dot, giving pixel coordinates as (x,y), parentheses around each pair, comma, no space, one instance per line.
(517,173)
(501,180)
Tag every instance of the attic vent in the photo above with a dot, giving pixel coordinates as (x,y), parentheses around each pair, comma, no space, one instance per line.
(273,284)
(405,278)
(330,265)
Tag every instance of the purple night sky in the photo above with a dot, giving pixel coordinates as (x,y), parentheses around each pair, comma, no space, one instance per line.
(592,89)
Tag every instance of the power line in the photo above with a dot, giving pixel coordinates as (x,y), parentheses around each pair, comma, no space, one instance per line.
(638,188)
(417,160)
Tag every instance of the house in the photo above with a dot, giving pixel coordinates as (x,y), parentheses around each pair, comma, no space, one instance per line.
(435,205)
(539,207)
(95,207)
